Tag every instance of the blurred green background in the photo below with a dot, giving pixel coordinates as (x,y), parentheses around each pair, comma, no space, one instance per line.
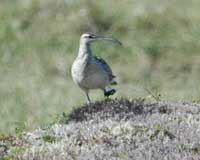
(39,40)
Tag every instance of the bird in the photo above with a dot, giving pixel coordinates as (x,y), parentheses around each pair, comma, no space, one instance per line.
(92,72)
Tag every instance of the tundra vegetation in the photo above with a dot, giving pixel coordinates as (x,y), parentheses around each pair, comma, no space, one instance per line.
(113,129)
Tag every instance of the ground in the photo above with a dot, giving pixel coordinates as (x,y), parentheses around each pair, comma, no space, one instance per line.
(114,129)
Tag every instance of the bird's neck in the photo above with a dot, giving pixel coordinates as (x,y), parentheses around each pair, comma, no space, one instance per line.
(84,50)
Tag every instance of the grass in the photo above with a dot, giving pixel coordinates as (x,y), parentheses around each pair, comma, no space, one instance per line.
(39,41)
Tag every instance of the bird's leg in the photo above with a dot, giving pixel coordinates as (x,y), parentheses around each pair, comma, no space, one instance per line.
(88,98)
(109,92)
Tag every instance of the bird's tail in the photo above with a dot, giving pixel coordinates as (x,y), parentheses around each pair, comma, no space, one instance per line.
(113,82)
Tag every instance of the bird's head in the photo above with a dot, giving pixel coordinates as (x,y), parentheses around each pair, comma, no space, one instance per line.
(88,38)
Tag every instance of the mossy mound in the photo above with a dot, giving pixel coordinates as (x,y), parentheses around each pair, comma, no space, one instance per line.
(118,129)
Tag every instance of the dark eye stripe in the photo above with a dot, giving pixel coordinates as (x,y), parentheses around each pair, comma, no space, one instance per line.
(89,36)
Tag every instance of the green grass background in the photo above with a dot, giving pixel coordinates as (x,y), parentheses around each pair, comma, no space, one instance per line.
(39,40)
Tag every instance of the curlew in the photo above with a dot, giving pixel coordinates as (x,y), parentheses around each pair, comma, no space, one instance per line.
(91,72)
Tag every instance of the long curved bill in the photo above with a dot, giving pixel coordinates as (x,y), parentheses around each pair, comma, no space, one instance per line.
(109,39)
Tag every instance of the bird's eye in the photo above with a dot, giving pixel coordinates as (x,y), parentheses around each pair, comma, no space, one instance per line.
(90,36)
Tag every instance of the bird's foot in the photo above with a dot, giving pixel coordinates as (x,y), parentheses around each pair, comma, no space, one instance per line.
(109,93)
